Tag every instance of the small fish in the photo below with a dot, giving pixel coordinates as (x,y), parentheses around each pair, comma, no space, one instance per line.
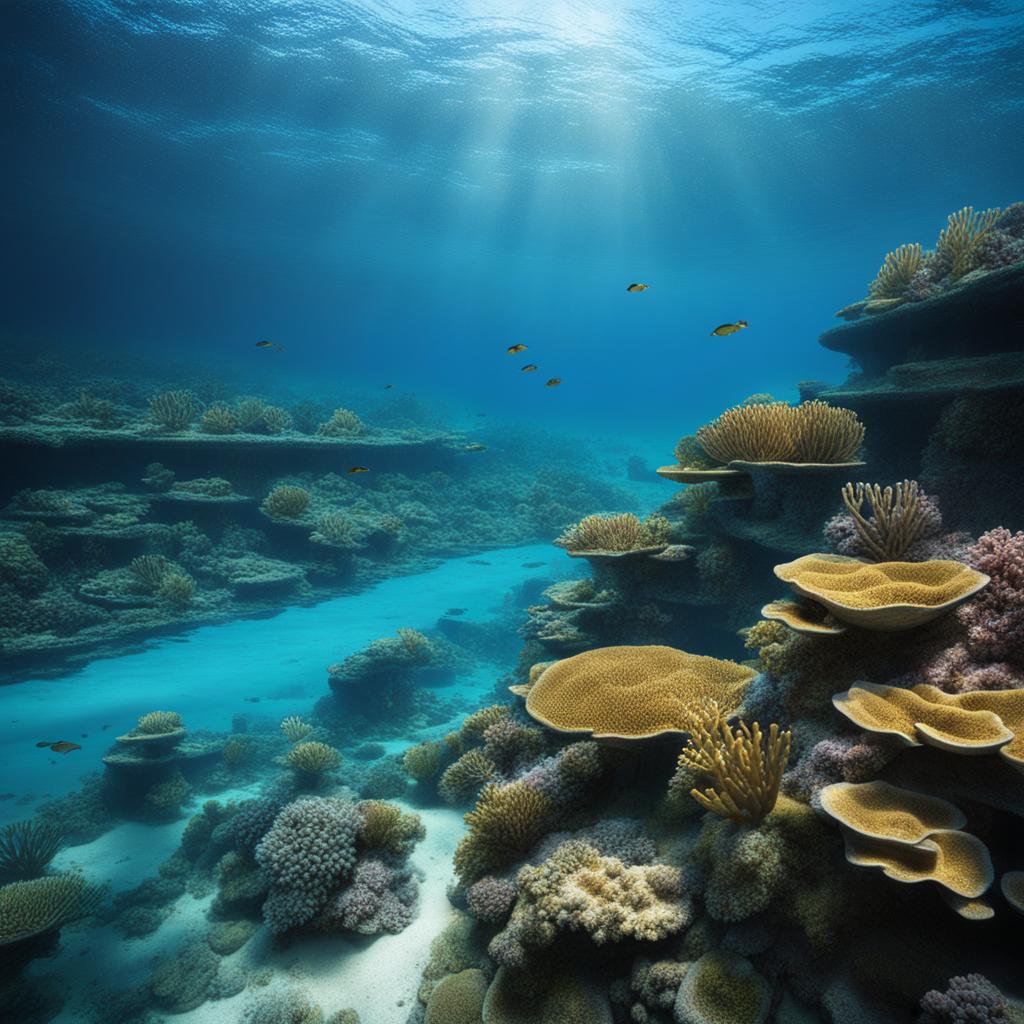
(84,736)
(358,469)
(455,611)
(475,447)
(637,287)
(252,700)
(723,329)
(269,344)
(513,349)
(553,382)
(388,387)
(529,367)
(61,747)
(532,565)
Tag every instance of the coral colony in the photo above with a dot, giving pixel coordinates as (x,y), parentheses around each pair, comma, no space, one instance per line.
(760,759)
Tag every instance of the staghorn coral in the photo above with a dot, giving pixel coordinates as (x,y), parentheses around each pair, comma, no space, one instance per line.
(898,518)
(26,847)
(286,502)
(423,761)
(312,759)
(342,423)
(309,851)
(41,905)
(812,432)
(896,272)
(505,823)
(295,729)
(462,780)
(173,410)
(632,692)
(745,766)
(386,827)
(959,239)
(159,723)
(623,532)
(218,419)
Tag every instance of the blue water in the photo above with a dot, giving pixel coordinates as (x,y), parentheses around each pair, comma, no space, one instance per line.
(398,190)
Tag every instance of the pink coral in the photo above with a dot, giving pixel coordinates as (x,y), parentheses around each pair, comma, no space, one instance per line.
(956,670)
(995,618)
(836,759)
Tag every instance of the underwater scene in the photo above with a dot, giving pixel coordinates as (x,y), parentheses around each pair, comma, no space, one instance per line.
(512,512)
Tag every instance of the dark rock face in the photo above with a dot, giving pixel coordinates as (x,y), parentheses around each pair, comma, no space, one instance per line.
(982,315)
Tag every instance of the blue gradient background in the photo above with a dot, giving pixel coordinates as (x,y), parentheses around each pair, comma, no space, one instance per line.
(395,192)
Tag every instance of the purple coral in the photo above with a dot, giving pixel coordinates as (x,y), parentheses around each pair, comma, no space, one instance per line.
(308,852)
(380,898)
(490,899)
(836,759)
(956,670)
(995,618)
(968,999)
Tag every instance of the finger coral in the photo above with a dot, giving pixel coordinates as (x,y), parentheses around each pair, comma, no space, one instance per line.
(960,238)
(896,272)
(995,619)
(633,693)
(505,823)
(614,533)
(812,432)
(970,997)
(745,765)
(898,518)
(423,761)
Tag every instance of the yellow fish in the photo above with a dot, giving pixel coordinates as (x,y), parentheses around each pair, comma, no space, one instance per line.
(636,287)
(722,329)
(529,367)
(359,469)
(553,382)
(513,349)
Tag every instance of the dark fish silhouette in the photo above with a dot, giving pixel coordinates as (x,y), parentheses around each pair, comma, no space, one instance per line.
(269,344)
(455,611)
(388,387)
(532,565)
(513,349)
(105,728)
(637,287)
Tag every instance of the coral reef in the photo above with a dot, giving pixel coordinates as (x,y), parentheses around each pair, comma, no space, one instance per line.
(624,532)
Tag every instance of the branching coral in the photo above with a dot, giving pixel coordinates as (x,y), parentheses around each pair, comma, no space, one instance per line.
(995,618)
(690,455)
(44,905)
(343,423)
(896,272)
(964,232)
(386,827)
(335,529)
(460,781)
(812,432)
(313,759)
(899,518)
(423,761)
(295,729)
(150,570)
(745,766)
(26,847)
(286,502)
(158,723)
(173,410)
(476,724)
(177,589)
(970,997)
(623,532)
(505,823)
(218,419)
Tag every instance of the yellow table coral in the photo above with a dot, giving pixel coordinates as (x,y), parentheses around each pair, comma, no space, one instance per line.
(633,693)
(884,596)
(878,810)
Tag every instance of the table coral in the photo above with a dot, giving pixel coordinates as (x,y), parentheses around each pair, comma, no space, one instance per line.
(633,693)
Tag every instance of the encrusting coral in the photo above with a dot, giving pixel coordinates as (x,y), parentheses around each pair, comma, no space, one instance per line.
(812,432)
(745,766)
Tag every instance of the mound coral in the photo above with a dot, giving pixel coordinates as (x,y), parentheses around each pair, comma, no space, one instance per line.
(615,533)
(286,502)
(342,423)
(491,899)
(308,853)
(335,529)
(380,898)
(886,596)
(505,823)
(722,988)
(745,766)
(177,589)
(26,847)
(812,432)
(458,998)
(579,890)
(423,761)
(42,905)
(173,410)
(20,566)
(633,693)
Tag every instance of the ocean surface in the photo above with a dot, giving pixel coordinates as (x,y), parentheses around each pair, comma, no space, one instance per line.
(325,327)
